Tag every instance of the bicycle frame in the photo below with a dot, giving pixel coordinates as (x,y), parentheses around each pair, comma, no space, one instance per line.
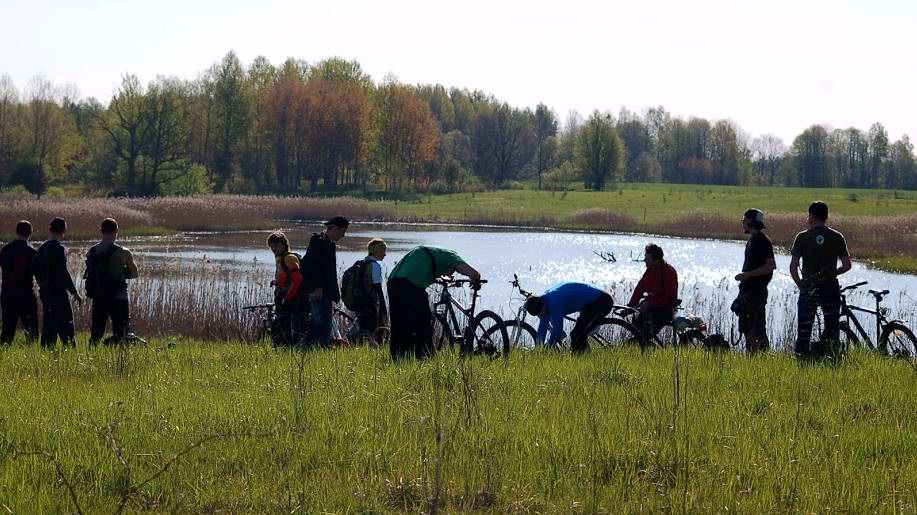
(447,304)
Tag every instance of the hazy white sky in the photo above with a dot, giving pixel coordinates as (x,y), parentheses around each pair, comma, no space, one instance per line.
(772,66)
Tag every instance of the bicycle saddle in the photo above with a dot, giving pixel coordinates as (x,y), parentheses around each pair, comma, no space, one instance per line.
(878,293)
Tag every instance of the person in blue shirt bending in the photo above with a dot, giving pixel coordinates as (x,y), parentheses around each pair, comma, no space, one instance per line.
(562,299)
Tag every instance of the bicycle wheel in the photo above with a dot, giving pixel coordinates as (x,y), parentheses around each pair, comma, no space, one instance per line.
(521,335)
(614,332)
(898,341)
(442,334)
(817,343)
(488,336)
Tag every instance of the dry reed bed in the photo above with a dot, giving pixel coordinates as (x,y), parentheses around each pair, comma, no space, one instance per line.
(212,212)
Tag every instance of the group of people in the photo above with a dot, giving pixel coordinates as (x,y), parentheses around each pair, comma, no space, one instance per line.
(306,288)
(108,268)
(821,250)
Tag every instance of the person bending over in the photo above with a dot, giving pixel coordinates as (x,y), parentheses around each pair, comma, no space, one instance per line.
(591,302)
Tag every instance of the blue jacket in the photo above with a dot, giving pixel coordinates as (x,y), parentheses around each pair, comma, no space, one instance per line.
(561,300)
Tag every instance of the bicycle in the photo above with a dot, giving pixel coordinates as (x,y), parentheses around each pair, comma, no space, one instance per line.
(341,322)
(608,332)
(484,333)
(685,330)
(894,338)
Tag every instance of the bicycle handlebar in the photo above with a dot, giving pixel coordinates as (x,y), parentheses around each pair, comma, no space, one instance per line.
(451,282)
(853,286)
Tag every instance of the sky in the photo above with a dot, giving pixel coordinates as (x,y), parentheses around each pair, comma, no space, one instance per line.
(771,66)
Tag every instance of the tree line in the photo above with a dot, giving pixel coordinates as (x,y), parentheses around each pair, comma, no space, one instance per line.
(296,128)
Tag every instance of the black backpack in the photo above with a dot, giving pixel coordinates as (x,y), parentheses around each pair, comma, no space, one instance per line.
(356,286)
(99,282)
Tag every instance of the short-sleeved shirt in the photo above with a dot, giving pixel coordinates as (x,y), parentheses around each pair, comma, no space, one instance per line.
(417,265)
(375,270)
(116,268)
(819,247)
(757,251)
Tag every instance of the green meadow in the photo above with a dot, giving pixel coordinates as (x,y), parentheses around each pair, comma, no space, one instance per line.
(193,427)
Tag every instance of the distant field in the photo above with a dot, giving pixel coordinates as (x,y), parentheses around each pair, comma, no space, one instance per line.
(258,431)
(660,202)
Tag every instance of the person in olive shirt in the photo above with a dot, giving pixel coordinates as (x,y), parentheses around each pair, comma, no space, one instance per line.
(757,271)
(409,308)
(820,248)
(17,295)
(109,266)
(321,279)
(54,285)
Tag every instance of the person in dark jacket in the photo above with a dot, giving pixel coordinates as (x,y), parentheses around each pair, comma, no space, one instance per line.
(17,296)
(109,265)
(321,279)
(656,293)
(54,286)
(757,271)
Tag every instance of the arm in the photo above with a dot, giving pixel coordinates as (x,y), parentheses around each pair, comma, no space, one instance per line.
(60,258)
(469,272)
(794,271)
(769,266)
(557,326)
(128,260)
(542,330)
(638,292)
(845,265)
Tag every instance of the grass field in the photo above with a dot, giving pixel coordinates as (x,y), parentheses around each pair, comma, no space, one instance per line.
(206,428)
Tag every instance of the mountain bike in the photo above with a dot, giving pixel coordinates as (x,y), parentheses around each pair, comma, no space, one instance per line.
(607,332)
(341,323)
(894,338)
(457,325)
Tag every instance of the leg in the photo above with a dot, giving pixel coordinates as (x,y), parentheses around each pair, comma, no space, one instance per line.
(48,324)
(422,320)
(29,317)
(588,317)
(753,321)
(10,318)
(830,300)
(805,308)
(281,329)
(100,311)
(320,328)
(120,318)
(66,328)
(400,318)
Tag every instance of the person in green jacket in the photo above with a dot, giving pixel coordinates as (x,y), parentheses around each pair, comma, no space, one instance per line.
(409,307)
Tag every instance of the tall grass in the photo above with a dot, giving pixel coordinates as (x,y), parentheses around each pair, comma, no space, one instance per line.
(220,428)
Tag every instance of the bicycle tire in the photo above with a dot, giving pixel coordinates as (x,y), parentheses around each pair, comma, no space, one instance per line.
(614,332)
(488,335)
(442,333)
(521,334)
(898,341)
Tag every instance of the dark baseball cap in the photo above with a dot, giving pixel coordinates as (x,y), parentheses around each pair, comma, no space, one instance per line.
(756,216)
(338,221)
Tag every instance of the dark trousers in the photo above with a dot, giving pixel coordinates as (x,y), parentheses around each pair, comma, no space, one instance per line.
(289,327)
(320,321)
(24,310)
(119,312)
(411,320)
(827,297)
(368,319)
(589,316)
(753,319)
(57,319)
(650,322)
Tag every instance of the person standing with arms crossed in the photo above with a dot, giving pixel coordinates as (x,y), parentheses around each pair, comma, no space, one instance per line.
(54,286)
(820,248)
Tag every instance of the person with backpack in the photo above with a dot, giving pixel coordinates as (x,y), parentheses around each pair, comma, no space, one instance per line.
(54,286)
(17,295)
(361,291)
(291,306)
(321,278)
(411,319)
(108,268)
